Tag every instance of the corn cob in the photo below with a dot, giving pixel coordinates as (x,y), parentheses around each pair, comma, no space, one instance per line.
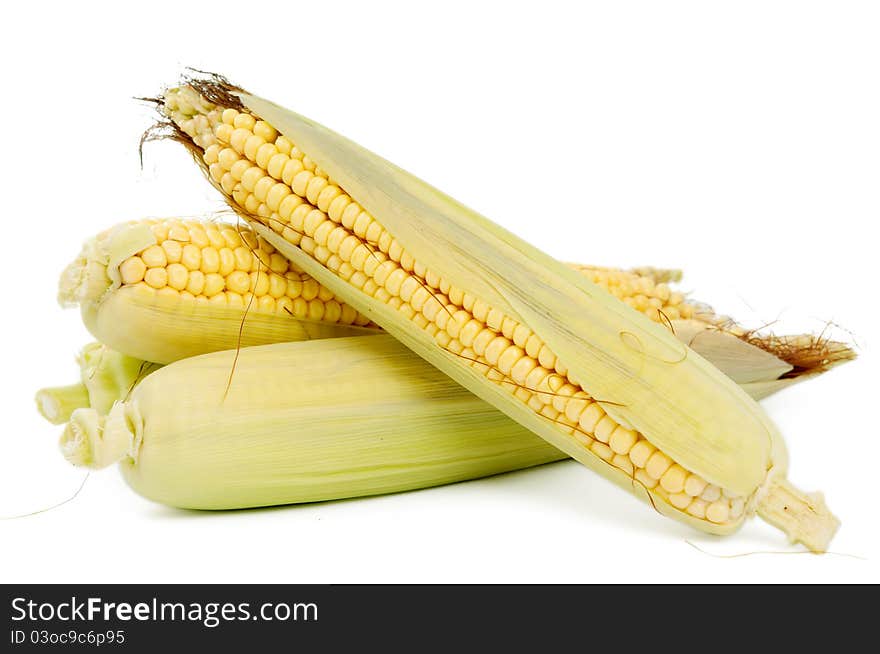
(156,290)
(162,290)
(547,347)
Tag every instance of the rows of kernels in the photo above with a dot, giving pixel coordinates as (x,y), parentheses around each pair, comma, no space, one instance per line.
(641,292)
(229,265)
(309,210)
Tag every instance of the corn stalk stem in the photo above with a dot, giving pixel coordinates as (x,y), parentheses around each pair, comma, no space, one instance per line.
(804,517)
(56,403)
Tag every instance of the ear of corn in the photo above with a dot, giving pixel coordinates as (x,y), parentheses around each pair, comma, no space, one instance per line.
(301,422)
(601,382)
(162,290)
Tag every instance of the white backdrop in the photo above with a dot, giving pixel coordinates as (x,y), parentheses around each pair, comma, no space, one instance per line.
(738,141)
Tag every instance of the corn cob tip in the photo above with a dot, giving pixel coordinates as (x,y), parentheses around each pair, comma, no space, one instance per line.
(186,109)
(94,441)
(96,269)
(803,517)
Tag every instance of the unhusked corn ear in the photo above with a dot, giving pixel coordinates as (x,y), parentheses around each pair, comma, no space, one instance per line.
(322,397)
(109,377)
(432,273)
(105,377)
(164,289)
(301,422)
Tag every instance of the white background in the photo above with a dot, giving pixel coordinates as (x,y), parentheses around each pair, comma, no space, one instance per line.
(739,141)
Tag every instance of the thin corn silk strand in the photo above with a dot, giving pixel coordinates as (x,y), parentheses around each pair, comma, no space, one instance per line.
(741,555)
(54,506)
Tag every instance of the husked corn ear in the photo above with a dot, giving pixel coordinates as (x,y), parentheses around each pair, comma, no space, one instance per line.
(301,422)
(528,335)
(165,289)
(105,377)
